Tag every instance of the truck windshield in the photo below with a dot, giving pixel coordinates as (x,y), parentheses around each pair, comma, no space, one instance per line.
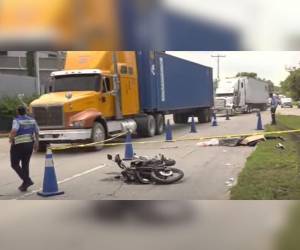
(76,83)
(224,95)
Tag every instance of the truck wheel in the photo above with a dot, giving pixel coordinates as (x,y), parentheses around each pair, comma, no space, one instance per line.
(204,116)
(146,126)
(98,135)
(264,107)
(180,118)
(248,110)
(209,115)
(42,147)
(160,124)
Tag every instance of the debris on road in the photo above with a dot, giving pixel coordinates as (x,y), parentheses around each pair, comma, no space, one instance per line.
(230,182)
(250,141)
(280,146)
(212,142)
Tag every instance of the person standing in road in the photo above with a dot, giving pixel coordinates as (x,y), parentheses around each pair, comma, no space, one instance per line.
(23,138)
(274,105)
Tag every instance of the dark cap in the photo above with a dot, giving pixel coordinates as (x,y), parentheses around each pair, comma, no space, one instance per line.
(21,110)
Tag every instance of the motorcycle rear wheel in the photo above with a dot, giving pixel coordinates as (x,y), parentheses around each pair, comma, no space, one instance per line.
(161,179)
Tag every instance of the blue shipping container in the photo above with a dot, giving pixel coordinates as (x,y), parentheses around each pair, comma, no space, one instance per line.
(168,83)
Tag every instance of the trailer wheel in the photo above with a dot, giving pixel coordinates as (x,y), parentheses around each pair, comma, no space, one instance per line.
(160,124)
(98,135)
(204,116)
(146,126)
(264,107)
(180,118)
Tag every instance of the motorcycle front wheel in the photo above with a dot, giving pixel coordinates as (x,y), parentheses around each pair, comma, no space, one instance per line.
(167,176)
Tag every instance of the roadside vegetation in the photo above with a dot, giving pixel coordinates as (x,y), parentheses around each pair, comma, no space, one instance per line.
(288,238)
(291,85)
(8,107)
(272,173)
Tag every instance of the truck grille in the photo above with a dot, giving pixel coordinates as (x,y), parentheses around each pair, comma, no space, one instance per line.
(51,116)
(220,103)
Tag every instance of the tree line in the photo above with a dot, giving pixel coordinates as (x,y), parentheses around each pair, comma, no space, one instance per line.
(291,85)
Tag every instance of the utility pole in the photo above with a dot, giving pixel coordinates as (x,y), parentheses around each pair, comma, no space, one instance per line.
(117,87)
(33,68)
(218,56)
(37,72)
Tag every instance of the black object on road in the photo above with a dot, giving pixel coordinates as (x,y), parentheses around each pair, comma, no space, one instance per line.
(146,170)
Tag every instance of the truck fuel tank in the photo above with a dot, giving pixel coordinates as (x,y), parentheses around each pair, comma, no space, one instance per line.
(129,126)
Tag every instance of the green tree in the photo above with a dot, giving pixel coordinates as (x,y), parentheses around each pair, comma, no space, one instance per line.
(30,63)
(246,74)
(291,85)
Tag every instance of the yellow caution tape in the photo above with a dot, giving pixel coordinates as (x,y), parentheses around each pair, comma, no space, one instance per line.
(104,143)
(71,146)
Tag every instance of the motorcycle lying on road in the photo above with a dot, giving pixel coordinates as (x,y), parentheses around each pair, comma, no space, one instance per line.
(147,170)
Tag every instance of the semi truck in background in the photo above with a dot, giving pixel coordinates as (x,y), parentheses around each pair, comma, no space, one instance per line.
(241,94)
(100,93)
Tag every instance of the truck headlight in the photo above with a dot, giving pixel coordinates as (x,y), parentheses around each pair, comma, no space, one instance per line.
(78,124)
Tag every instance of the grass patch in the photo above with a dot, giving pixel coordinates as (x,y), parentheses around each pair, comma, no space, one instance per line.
(288,238)
(271,173)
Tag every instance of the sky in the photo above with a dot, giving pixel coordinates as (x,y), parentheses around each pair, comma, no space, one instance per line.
(270,65)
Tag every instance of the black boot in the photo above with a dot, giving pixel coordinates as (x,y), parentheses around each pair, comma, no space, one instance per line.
(26,185)
(23,187)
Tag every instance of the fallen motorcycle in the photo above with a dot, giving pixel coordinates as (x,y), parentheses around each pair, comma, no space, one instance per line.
(147,170)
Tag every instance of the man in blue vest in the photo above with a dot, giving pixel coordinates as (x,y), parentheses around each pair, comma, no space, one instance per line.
(23,136)
(274,105)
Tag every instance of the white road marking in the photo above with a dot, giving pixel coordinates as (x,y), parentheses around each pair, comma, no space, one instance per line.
(64,180)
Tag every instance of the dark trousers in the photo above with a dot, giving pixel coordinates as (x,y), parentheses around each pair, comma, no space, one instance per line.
(21,153)
(273,115)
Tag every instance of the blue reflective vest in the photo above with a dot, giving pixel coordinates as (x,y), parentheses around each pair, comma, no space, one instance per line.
(26,127)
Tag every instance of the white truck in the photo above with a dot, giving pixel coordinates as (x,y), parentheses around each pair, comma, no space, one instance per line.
(241,94)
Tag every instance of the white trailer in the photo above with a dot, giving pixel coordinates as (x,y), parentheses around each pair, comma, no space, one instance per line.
(241,94)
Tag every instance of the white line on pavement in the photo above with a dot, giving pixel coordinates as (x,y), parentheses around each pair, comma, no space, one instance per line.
(65,180)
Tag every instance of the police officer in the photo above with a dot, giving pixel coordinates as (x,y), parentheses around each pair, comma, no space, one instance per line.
(274,105)
(23,138)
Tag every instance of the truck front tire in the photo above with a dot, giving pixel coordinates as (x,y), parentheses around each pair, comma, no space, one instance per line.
(42,147)
(98,135)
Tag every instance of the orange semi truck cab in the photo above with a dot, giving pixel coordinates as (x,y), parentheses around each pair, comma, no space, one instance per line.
(80,103)
(100,93)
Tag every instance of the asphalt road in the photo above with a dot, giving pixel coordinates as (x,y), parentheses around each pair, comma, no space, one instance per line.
(211,225)
(90,176)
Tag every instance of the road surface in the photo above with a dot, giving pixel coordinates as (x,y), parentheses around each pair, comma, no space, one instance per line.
(90,176)
(211,225)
